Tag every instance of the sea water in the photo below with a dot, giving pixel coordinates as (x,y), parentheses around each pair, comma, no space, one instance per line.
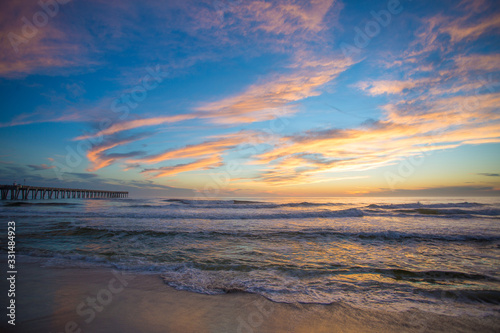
(435,254)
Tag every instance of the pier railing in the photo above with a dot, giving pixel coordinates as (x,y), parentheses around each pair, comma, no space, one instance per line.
(23,192)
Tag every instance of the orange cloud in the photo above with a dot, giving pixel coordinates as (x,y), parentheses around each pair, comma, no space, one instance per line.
(99,157)
(95,156)
(212,147)
(203,164)
(409,130)
(285,17)
(481,62)
(282,17)
(266,100)
(389,86)
(463,28)
(460,30)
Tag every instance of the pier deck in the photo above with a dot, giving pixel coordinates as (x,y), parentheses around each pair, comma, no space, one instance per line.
(23,192)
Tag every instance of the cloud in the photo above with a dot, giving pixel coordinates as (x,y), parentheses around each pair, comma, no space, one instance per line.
(44,117)
(477,62)
(410,129)
(380,87)
(136,123)
(200,164)
(297,24)
(460,30)
(284,17)
(215,146)
(67,112)
(270,99)
(81,175)
(489,174)
(207,154)
(70,41)
(280,18)
(99,157)
(41,167)
(477,19)
(437,105)
(26,48)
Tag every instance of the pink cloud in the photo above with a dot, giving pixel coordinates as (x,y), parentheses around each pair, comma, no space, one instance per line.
(409,130)
(216,146)
(263,101)
(199,164)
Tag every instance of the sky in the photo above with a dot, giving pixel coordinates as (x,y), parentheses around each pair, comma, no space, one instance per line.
(235,98)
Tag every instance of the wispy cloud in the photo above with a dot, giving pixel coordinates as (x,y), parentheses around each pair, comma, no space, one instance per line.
(81,175)
(284,17)
(462,29)
(435,101)
(274,95)
(264,101)
(38,47)
(296,24)
(41,167)
(44,117)
(136,123)
(489,174)
(99,156)
(215,146)
(199,164)
(437,105)
(380,87)
(409,130)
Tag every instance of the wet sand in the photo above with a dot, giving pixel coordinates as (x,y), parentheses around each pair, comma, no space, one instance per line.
(102,300)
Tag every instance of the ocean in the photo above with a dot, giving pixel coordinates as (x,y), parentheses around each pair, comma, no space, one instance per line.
(434,254)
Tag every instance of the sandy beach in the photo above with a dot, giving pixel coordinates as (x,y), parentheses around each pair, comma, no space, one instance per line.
(103,300)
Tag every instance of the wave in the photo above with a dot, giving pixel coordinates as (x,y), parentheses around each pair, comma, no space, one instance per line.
(491,297)
(436,205)
(461,210)
(299,285)
(255,215)
(217,204)
(258,210)
(63,229)
(432,276)
(430,211)
(196,214)
(280,286)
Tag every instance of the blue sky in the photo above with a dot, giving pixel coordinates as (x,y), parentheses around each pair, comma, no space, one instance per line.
(252,98)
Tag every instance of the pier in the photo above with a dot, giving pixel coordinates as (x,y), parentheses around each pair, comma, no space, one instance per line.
(23,192)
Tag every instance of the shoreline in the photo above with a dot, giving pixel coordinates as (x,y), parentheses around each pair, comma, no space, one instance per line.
(54,299)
